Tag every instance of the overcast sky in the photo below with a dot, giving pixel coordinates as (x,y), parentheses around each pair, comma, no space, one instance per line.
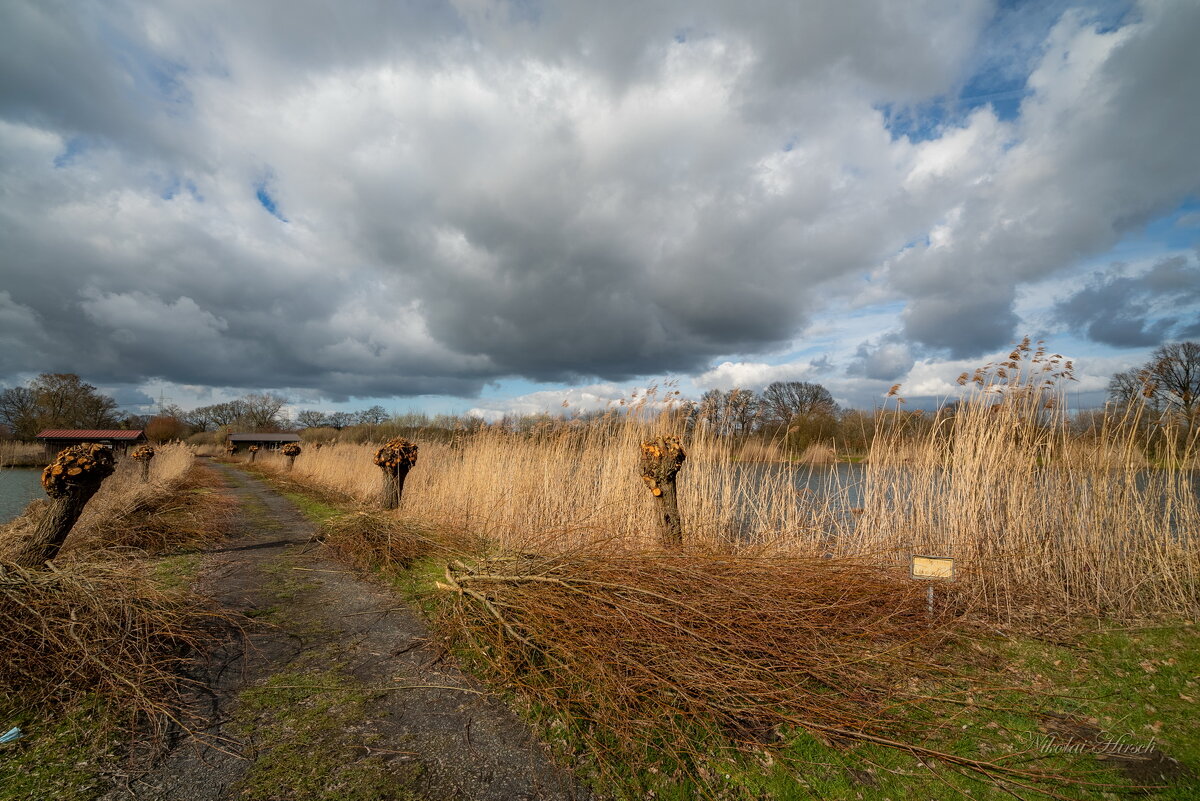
(495,205)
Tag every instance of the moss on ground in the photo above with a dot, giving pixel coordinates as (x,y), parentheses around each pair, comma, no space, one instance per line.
(178,571)
(307,734)
(58,757)
(315,510)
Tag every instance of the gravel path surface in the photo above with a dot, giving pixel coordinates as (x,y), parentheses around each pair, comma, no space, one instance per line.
(318,624)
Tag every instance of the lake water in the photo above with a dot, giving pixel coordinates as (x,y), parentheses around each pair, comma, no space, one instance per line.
(17,488)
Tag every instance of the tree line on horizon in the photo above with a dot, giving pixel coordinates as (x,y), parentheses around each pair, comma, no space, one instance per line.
(794,414)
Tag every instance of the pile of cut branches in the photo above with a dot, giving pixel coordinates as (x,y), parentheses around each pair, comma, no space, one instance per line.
(370,538)
(101,629)
(674,660)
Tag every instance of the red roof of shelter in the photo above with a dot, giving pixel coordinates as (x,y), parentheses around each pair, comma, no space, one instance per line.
(89,433)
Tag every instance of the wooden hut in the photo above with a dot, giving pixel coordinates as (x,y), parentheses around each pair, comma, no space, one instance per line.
(55,439)
(268,442)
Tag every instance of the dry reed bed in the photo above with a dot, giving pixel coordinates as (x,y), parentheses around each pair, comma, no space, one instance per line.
(22,454)
(1035,518)
(574,488)
(176,506)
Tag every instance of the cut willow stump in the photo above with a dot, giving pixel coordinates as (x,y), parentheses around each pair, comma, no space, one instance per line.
(291,451)
(70,480)
(661,459)
(395,459)
(253,452)
(142,456)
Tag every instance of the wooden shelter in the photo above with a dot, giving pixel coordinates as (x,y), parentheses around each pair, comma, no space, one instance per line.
(55,439)
(270,442)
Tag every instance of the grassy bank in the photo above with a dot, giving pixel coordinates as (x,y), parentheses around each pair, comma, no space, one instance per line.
(735,676)
(91,651)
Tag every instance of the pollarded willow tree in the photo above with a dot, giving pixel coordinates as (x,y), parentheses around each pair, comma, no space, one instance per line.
(395,459)
(143,456)
(70,480)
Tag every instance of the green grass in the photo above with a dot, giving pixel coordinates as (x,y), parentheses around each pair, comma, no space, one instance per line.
(315,510)
(177,571)
(58,757)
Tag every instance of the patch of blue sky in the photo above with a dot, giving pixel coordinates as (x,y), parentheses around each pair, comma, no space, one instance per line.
(175,185)
(1005,53)
(74,147)
(267,201)
(922,122)
(153,77)
(1177,230)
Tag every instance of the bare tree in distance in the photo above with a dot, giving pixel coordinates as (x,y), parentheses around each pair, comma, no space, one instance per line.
(19,411)
(310,418)
(1170,381)
(340,420)
(56,400)
(218,415)
(1176,374)
(731,413)
(1131,385)
(374,416)
(784,400)
(263,411)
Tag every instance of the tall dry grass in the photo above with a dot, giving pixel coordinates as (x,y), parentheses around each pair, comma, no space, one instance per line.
(577,487)
(129,513)
(22,454)
(1037,519)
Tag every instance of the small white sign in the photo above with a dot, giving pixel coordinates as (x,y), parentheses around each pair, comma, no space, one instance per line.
(932,567)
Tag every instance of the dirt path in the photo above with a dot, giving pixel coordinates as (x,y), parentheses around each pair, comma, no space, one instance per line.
(310,703)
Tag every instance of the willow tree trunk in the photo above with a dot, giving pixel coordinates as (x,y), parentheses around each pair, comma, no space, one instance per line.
(670,524)
(70,480)
(52,530)
(661,459)
(393,485)
(252,455)
(291,462)
(145,472)
(395,458)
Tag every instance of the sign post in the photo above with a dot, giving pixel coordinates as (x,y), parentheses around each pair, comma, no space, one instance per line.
(931,569)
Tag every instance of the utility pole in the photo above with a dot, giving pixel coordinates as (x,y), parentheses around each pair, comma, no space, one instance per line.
(162,401)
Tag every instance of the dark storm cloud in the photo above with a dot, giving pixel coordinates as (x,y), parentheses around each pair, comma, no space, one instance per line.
(1137,311)
(353,200)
